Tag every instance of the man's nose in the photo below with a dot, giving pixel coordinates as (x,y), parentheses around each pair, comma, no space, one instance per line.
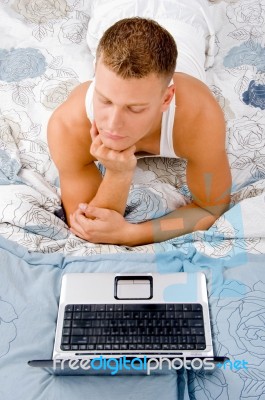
(115,119)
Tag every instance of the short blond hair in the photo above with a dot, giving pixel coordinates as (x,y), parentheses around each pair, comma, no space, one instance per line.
(136,47)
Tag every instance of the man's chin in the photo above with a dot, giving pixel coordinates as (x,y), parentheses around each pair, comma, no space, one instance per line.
(111,144)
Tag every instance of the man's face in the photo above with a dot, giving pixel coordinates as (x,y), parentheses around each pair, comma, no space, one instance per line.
(127,110)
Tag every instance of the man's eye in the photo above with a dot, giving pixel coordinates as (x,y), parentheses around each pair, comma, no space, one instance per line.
(105,101)
(136,110)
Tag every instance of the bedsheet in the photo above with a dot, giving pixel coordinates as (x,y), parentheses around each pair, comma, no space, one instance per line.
(43,56)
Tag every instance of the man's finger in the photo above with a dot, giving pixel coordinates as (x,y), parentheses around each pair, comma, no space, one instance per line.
(93,131)
(78,234)
(96,146)
(95,213)
(75,225)
(130,151)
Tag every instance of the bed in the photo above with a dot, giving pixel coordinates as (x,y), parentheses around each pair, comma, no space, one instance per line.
(43,56)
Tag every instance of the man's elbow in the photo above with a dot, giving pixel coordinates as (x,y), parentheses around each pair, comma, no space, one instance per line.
(217,210)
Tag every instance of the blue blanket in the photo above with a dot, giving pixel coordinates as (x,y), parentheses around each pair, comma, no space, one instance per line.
(29,294)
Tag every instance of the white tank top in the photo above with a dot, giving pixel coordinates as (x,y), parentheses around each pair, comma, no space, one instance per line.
(166,138)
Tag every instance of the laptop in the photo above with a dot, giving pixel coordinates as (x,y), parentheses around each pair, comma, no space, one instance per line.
(140,319)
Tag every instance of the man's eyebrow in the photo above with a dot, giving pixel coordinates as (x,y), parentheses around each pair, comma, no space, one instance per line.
(130,105)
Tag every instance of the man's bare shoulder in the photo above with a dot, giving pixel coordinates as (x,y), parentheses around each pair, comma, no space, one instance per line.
(68,132)
(192,96)
(73,109)
(198,116)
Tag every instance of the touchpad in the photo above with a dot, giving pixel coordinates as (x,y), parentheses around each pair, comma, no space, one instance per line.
(137,288)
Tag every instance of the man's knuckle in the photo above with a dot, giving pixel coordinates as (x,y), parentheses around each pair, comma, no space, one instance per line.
(107,213)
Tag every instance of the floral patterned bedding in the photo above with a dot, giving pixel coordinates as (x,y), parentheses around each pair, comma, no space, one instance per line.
(43,56)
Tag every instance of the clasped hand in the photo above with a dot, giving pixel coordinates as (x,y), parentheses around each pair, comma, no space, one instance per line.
(100,225)
(113,160)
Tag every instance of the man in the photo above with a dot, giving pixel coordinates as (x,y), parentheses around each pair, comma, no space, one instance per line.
(129,103)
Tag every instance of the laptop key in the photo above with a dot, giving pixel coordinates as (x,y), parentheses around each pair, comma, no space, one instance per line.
(170,314)
(190,346)
(197,331)
(110,307)
(65,340)
(119,339)
(78,331)
(118,307)
(173,347)
(96,331)
(178,307)
(182,347)
(81,323)
(200,346)
(67,323)
(148,346)
(100,315)
(185,323)
(179,314)
(89,315)
(100,307)
(68,315)
(192,339)
(144,307)
(79,339)
(65,347)
(69,308)
(128,339)
(196,323)
(196,307)
(182,339)
(200,339)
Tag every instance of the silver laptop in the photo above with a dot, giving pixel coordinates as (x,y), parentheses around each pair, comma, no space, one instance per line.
(104,317)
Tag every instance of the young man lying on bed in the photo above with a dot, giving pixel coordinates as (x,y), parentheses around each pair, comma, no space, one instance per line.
(133,106)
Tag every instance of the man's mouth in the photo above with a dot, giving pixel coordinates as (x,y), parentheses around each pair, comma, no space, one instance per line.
(112,136)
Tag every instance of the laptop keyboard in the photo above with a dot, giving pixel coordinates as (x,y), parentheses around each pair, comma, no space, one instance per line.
(137,327)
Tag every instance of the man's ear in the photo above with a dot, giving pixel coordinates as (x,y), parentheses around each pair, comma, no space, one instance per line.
(168,95)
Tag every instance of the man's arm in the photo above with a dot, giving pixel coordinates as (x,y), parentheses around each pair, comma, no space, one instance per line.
(199,215)
(210,185)
(70,142)
(208,178)
(120,165)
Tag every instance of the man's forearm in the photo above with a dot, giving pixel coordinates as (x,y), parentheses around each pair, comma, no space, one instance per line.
(113,191)
(184,220)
